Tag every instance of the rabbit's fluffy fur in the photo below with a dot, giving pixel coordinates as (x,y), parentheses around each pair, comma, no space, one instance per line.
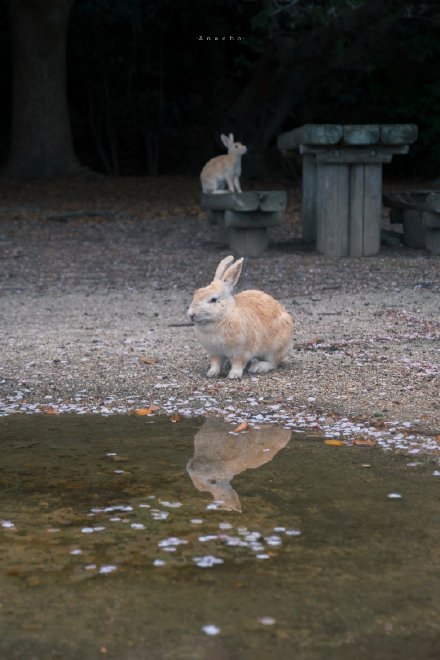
(250,330)
(222,174)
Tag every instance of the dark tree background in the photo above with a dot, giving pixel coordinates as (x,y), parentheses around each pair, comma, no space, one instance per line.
(135,87)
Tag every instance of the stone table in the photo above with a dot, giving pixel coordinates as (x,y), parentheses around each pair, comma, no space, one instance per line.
(342,182)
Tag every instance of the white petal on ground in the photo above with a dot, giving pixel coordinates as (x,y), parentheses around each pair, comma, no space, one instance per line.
(267,620)
(207,561)
(108,568)
(211,629)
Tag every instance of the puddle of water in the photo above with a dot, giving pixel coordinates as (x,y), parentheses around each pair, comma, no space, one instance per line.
(130,538)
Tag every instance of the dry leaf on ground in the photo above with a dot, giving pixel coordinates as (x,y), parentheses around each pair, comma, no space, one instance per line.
(146,411)
(364,442)
(241,427)
(334,443)
(48,410)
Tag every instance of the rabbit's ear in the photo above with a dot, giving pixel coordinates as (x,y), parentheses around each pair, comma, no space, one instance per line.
(232,274)
(221,268)
(231,138)
(225,140)
(229,498)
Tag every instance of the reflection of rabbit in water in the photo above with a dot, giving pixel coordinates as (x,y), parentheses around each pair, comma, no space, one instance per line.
(218,457)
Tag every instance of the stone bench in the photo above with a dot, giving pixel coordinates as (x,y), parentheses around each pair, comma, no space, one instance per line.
(342,182)
(419,212)
(243,219)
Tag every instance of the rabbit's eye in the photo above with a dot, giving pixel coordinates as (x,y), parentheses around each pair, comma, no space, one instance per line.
(214,299)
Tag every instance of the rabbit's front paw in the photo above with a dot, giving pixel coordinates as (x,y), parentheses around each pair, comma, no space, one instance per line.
(235,373)
(215,368)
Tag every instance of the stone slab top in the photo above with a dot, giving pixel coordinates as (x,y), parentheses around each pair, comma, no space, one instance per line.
(348,135)
(249,200)
(426,200)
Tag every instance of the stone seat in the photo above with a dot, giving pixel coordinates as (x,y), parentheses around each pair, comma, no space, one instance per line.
(243,219)
(419,212)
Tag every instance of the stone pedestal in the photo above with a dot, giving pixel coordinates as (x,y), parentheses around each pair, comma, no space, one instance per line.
(342,182)
(419,212)
(243,219)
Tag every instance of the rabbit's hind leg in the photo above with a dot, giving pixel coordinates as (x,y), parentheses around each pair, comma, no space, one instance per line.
(261,366)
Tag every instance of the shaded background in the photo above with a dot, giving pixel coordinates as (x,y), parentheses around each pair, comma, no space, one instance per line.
(148,93)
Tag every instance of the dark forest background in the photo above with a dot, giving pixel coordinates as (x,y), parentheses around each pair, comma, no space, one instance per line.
(148,93)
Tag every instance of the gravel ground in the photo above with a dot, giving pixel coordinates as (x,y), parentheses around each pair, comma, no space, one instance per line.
(92,306)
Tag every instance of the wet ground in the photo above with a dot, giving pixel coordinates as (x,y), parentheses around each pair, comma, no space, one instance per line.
(127,537)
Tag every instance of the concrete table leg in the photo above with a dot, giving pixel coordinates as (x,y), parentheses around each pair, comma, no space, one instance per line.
(218,218)
(414,232)
(365,209)
(348,209)
(332,209)
(309,197)
(248,242)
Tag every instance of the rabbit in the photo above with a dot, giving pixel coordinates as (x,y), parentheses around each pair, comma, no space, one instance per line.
(218,457)
(250,329)
(225,170)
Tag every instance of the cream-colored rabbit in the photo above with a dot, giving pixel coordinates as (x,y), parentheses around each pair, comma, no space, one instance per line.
(224,171)
(251,329)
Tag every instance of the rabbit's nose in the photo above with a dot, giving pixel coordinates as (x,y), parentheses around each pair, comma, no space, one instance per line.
(191,315)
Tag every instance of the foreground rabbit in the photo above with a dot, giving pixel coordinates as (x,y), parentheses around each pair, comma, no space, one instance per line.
(251,328)
(224,171)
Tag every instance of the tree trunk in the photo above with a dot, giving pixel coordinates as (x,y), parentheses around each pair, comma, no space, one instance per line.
(41,141)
